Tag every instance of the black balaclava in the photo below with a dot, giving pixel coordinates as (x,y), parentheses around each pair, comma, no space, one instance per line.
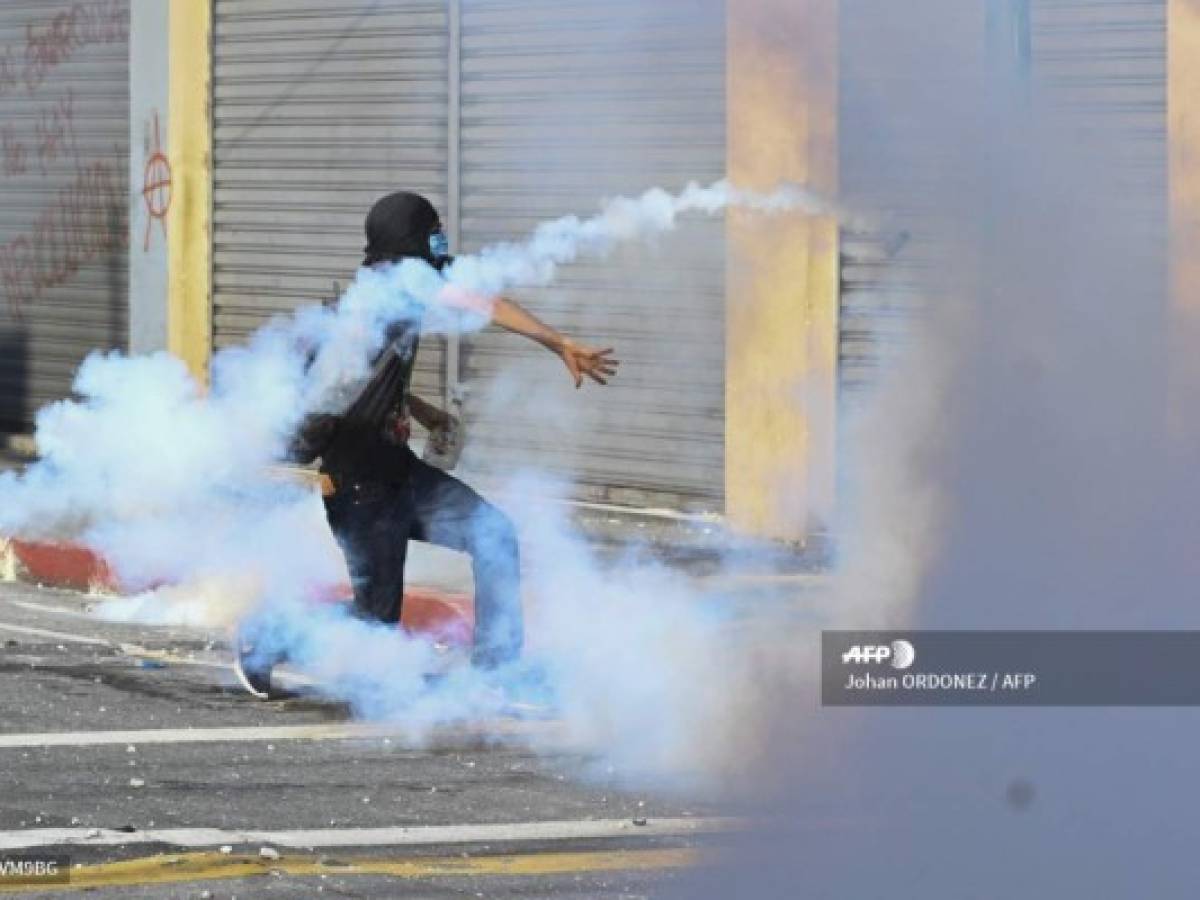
(399,227)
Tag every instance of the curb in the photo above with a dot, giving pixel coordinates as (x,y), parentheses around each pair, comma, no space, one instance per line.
(59,565)
(441,615)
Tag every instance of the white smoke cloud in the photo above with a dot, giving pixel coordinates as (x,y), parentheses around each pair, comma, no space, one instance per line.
(174,487)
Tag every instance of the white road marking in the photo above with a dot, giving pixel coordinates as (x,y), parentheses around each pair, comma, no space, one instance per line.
(194,634)
(55,635)
(235,734)
(135,650)
(338,731)
(52,608)
(285,677)
(399,836)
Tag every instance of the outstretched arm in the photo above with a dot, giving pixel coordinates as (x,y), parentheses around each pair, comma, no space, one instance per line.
(580,360)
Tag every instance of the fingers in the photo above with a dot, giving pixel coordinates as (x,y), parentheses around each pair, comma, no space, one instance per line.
(593,353)
(598,374)
(603,356)
(598,365)
(599,369)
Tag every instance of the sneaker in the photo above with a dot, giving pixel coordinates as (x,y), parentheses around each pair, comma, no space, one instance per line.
(526,690)
(252,668)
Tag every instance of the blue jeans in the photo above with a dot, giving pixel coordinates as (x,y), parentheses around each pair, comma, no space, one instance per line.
(374,521)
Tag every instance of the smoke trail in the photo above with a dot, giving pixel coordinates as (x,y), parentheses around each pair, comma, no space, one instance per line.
(173,487)
(624,220)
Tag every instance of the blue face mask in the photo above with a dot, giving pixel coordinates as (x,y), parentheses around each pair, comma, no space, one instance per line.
(439,245)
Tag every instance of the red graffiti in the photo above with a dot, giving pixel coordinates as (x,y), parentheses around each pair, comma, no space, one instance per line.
(55,131)
(55,40)
(10,71)
(85,220)
(13,150)
(87,217)
(157,188)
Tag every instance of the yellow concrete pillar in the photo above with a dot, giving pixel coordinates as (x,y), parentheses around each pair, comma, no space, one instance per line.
(782,291)
(189,241)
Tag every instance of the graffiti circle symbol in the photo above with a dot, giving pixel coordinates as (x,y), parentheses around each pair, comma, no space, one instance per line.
(158,186)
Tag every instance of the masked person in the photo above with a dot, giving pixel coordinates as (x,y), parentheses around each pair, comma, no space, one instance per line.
(384,495)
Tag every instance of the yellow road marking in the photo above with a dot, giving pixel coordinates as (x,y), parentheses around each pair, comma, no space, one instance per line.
(211,866)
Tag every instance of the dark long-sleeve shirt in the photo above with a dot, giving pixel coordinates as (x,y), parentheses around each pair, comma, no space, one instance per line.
(360,444)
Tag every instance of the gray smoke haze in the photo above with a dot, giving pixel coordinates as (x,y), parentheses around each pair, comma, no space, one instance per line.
(1029,462)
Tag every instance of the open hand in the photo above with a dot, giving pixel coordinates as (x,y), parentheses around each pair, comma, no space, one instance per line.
(598,365)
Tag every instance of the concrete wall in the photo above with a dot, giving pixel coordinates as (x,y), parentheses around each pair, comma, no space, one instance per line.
(170,136)
(149,174)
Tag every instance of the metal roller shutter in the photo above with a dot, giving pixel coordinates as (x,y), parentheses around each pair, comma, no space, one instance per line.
(897,162)
(1102,65)
(565,103)
(320,107)
(64,172)
(1099,64)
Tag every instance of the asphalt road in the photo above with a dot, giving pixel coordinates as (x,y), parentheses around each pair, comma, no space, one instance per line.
(131,749)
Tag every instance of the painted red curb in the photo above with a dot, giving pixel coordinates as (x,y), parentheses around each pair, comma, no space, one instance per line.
(62,565)
(441,615)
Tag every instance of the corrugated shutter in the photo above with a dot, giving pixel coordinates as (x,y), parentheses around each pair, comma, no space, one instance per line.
(320,107)
(895,163)
(1102,65)
(564,103)
(64,175)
